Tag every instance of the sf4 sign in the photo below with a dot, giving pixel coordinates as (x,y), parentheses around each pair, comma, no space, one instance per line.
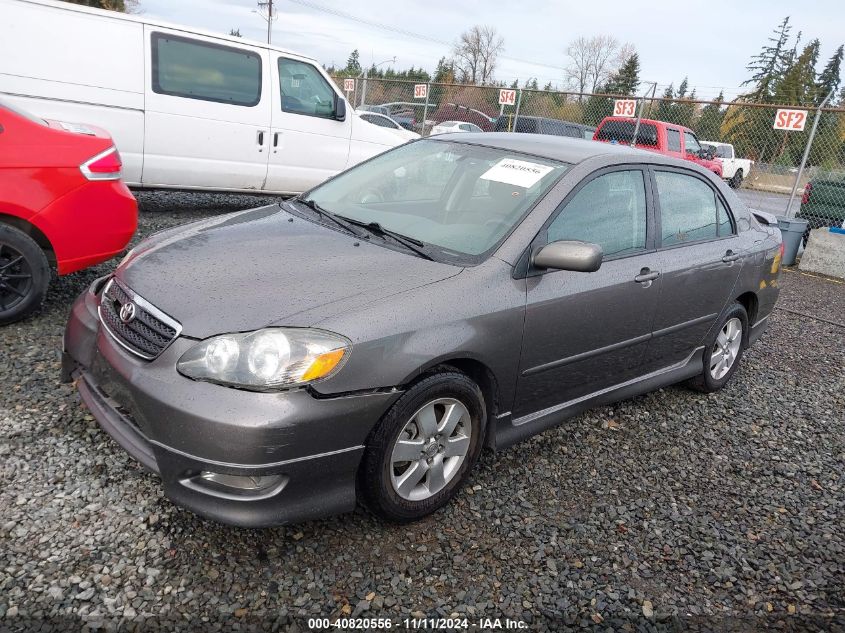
(625,107)
(507,97)
(420,91)
(792,120)
(349,85)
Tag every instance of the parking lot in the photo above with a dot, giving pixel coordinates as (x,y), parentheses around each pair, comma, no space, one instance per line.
(674,508)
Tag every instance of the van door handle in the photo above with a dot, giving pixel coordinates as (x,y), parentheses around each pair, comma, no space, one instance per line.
(647,276)
(275,139)
(730,256)
(261,140)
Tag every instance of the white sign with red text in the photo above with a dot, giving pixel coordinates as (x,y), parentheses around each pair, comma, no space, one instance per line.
(507,97)
(349,85)
(420,91)
(625,107)
(792,120)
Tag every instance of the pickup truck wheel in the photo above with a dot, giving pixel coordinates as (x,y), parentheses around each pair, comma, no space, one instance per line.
(24,275)
(723,350)
(736,181)
(422,450)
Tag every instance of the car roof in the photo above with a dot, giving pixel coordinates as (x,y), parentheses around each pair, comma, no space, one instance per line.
(649,121)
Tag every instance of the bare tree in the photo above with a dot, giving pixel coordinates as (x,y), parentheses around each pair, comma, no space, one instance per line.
(592,61)
(475,54)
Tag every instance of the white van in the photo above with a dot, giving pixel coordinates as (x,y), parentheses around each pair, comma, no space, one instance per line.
(187,109)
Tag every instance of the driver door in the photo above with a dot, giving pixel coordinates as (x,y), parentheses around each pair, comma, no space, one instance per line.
(306,144)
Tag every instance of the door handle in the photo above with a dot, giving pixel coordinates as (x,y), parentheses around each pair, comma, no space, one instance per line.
(261,138)
(730,256)
(646,276)
(275,139)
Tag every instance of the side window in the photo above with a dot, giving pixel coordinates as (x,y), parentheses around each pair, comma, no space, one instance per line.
(465,127)
(687,208)
(691,143)
(609,210)
(192,69)
(726,227)
(673,140)
(305,90)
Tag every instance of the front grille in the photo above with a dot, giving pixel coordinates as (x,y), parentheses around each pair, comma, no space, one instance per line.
(147,333)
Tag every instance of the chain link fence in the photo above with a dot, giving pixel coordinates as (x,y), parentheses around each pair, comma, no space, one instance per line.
(764,164)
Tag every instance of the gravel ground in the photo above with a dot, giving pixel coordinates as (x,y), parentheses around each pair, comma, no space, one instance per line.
(671,511)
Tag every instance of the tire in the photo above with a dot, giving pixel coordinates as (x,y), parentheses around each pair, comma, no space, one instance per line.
(736,181)
(406,490)
(714,376)
(24,275)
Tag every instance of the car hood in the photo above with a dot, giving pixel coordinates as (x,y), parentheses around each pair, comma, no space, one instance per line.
(266,266)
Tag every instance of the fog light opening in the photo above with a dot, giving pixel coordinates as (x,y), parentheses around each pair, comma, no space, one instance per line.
(237,487)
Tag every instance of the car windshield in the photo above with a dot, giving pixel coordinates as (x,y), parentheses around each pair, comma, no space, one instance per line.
(459,197)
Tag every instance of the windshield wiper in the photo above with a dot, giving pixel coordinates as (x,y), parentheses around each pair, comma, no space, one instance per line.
(314,206)
(411,243)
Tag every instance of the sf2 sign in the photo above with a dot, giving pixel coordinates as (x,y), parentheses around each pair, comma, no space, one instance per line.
(420,91)
(792,120)
(349,85)
(507,97)
(625,107)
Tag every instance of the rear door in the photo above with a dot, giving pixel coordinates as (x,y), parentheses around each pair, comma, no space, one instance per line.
(588,331)
(207,112)
(700,257)
(308,143)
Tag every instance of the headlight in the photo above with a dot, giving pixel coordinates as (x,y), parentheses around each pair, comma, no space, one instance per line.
(273,358)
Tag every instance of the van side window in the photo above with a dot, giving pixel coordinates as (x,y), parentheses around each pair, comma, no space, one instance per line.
(182,67)
(305,90)
(673,140)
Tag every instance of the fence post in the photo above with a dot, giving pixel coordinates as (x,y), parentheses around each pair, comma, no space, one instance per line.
(364,90)
(516,114)
(641,104)
(425,109)
(806,155)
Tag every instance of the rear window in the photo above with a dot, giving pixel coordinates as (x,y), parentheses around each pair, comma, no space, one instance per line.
(623,132)
(526,125)
(193,69)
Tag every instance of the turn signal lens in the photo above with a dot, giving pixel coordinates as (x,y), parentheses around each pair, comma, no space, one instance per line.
(323,365)
(104,166)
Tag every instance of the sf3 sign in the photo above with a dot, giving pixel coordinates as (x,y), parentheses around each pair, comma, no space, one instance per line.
(507,97)
(420,91)
(625,107)
(792,120)
(349,85)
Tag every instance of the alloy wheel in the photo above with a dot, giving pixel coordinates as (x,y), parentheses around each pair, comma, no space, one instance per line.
(430,449)
(15,277)
(726,348)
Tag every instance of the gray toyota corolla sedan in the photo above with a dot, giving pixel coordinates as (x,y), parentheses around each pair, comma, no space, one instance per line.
(367,339)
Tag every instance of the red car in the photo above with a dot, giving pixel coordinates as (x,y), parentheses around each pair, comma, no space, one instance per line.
(63,205)
(657,136)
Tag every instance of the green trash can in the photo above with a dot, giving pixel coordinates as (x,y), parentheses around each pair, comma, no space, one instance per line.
(792,230)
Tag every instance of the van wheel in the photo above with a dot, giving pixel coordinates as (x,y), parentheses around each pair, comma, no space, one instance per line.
(24,275)
(422,450)
(723,350)
(736,181)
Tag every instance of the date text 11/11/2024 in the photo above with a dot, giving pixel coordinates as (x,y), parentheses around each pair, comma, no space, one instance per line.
(430,624)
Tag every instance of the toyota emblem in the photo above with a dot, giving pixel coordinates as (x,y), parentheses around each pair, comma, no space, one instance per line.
(127,312)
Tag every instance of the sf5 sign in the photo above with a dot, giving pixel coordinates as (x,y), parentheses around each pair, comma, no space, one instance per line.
(792,120)
(507,97)
(420,91)
(625,107)
(348,85)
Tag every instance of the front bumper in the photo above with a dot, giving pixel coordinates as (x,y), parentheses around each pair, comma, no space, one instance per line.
(309,446)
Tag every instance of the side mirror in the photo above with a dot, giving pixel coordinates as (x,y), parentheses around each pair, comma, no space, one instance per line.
(339,108)
(581,257)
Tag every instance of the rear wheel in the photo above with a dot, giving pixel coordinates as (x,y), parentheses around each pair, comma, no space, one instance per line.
(736,181)
(24,275)
(421,452)
(723,350)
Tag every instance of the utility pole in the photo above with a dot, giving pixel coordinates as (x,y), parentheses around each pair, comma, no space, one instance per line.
(267,6)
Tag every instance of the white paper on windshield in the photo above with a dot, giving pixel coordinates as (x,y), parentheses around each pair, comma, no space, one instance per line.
(521,173)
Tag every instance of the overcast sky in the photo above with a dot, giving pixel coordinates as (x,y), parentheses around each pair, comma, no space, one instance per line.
(711,41)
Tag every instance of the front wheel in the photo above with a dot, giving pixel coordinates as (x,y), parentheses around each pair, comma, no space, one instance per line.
(723,350)
(736,181)
(24,275)
(422,450)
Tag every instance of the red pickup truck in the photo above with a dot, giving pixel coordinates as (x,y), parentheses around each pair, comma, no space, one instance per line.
(657,136)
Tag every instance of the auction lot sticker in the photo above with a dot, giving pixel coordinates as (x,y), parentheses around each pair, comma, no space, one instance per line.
(520,173)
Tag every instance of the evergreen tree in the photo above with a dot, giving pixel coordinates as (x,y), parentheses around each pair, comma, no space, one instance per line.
(769,64)
(353,64)
(798,84)
(664,108)
(708,126)
(627,79)
(445,71)
(829,78)
(235,32)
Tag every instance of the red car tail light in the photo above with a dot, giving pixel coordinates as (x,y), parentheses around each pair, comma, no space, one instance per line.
(104,166)
(808,189)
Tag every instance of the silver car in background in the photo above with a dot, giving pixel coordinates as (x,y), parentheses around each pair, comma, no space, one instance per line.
(366,340)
